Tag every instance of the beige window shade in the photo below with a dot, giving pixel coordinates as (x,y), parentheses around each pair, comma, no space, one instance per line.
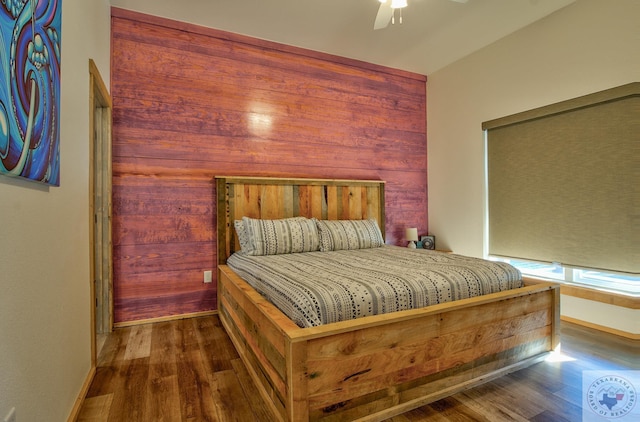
(564,182)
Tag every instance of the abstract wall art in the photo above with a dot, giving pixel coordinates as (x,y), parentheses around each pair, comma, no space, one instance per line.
(30,89)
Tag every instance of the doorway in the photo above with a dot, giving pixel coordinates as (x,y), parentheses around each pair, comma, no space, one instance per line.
(100,211)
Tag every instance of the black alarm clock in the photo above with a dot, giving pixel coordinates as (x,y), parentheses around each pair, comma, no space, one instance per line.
(428,242)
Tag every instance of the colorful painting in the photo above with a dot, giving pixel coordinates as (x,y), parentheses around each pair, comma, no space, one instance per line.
(30,89)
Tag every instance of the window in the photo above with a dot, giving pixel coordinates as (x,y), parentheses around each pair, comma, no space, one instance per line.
(563,185)
(612,282)
(626,284)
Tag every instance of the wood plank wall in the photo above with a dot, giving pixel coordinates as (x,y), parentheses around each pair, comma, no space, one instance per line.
(190,103)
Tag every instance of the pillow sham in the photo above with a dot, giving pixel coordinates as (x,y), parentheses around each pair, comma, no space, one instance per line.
(243,238)
(274,237)
(336,235)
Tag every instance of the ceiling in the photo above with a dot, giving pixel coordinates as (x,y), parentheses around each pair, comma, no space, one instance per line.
(434,33)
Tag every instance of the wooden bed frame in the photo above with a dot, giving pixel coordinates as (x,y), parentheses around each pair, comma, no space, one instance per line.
(374,367)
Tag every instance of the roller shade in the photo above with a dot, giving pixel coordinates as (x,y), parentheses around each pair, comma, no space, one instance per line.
(564,182)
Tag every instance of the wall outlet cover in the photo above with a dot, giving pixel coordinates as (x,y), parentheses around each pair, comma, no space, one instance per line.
(208,276)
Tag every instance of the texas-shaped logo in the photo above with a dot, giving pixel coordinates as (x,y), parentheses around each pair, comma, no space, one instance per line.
(611,397)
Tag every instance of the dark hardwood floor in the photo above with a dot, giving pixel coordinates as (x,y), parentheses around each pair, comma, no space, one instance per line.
(188,370)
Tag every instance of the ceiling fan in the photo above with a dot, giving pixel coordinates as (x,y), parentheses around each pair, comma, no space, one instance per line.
(386,12)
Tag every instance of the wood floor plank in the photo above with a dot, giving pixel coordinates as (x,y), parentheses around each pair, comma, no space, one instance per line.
(196,403)
(139,344)
(229,397)
(424,413)
(163,400)
(191,372)
(186,336)
(163,351)
(111,366)
(196,399)
(600,348)
(133,376)
(114,347)
(217,349)
(530,407)
(399,418)
(571,394)
(453,409)
(489,400)
(96,409)
(548,377)
(548,416)
(106,380)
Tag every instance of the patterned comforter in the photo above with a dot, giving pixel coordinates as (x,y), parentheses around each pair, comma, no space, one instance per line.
(315,288)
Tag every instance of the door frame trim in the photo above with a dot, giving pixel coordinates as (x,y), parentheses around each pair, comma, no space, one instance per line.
(100,102)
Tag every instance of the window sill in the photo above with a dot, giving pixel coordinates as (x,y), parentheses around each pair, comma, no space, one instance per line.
(610,298)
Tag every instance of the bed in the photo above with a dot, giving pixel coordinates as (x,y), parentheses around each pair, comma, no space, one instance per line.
(372,367)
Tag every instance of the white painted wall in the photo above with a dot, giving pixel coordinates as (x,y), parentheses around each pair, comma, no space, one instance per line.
(45,340)
(589,46)
(603,314)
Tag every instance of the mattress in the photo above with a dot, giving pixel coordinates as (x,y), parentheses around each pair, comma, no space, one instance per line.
(316,288)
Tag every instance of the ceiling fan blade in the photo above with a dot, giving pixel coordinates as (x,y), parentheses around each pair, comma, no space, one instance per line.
(384,16)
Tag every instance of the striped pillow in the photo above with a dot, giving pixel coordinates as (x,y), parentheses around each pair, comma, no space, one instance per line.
(274,237)
(336,235)
(243,238)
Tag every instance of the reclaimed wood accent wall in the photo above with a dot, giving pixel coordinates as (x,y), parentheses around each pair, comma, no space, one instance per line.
(191,103)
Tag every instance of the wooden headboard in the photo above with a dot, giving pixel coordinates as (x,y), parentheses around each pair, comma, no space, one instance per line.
(272,198)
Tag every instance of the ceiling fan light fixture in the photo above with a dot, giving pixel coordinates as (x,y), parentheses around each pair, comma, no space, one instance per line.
(387,11)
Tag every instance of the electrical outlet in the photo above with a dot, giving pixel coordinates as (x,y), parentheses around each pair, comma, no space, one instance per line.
(11,416)
(207,276)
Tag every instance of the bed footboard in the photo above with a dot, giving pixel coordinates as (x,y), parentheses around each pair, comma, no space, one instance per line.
(375,367)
